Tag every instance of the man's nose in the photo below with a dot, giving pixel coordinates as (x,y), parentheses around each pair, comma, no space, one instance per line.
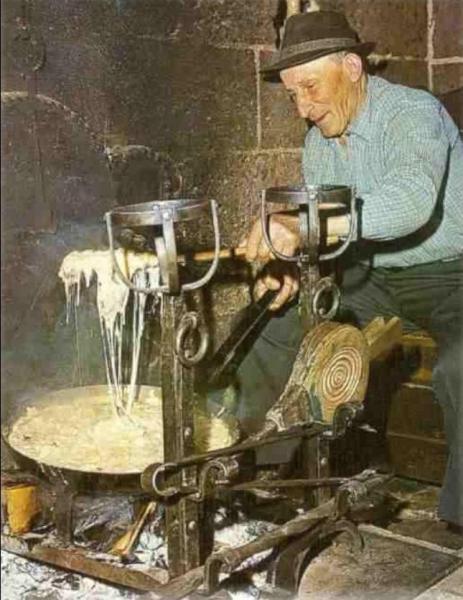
(304,107)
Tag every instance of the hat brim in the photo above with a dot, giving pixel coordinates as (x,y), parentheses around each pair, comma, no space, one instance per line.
(271,72)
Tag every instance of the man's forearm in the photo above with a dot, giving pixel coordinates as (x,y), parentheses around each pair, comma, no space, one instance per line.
(338,226)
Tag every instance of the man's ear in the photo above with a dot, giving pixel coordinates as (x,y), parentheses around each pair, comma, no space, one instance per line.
(353,66)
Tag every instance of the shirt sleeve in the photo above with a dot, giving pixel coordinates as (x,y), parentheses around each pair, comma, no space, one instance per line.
(416,149)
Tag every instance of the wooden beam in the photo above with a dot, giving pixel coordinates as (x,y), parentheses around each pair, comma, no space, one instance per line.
(382,337)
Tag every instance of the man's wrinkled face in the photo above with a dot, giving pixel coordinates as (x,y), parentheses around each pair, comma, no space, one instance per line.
(322,91)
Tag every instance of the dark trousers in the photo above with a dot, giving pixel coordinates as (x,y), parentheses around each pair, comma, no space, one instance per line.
(426,297)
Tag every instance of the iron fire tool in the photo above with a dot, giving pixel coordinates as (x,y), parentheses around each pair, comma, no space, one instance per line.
(186,546)
(296,413)
(318,303)
(228,355)
(329,377)
(310,202)
(185,481)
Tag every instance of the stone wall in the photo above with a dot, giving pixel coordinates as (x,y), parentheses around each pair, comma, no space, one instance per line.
(181,76)
(173,76)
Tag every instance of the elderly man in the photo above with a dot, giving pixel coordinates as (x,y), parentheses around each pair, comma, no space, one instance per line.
(403,153)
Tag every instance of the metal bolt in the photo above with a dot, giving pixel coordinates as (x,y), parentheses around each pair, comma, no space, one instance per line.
(187,433)
(323,462)
(192,526)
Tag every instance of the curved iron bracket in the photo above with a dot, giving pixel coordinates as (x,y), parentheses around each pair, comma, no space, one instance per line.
(190,324)
(166,248)
(264,221)
(353,230)
(215,472)
(289,566)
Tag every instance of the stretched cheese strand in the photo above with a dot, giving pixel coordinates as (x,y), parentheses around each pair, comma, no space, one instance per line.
(112,299)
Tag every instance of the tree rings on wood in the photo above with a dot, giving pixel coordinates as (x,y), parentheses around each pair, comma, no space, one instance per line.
(331,369)
(337,368)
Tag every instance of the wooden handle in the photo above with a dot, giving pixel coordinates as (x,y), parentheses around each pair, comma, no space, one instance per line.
(293,7)
(381,336)
(238,252)
(208,255)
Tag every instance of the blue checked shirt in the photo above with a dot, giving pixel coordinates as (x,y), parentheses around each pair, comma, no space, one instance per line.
(404,156)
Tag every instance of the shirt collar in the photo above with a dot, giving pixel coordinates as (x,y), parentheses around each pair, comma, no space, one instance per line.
(361,125)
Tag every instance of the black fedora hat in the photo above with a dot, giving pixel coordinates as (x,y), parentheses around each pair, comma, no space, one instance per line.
(311,35)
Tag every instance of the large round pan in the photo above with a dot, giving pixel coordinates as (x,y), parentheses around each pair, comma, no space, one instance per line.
(101,478)
(44,399)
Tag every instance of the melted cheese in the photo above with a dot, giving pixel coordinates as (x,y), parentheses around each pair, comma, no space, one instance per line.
(112,300)
(108,431)
(96,440)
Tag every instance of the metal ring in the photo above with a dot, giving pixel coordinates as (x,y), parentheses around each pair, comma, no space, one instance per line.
(324,285)
(169,491)
(188,325)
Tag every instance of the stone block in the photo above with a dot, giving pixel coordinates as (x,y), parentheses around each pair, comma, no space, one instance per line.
(76,37)
(448,29)
(183,98)
(236,181)
(281,125)
(238,21)
(453,582)
(453,102)
(214,22)
(447,78)
(226,300)
(75,20)
(50,172)
(448,86)
(76,74)
(397,27)
(413,73)
(26,206)
(10,10)
(16,51)
(137,177)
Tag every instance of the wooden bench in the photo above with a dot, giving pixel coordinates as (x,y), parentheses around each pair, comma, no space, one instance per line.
(415,429)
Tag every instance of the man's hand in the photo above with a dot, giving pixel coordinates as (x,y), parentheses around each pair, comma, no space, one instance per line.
(281,276)
(283,233)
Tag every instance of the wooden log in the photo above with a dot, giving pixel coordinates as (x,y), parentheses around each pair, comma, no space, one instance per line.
(124,544)
(332,368)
